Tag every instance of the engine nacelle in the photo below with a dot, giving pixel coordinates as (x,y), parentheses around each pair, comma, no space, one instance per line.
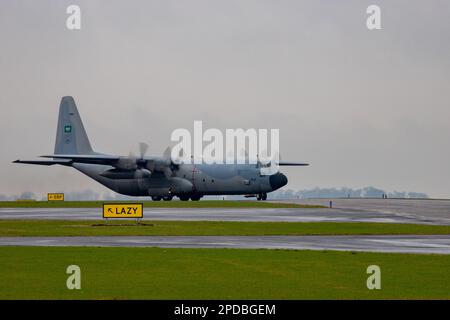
(118,174)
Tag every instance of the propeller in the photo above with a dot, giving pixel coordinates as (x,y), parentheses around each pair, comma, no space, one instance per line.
(127,163)
(170,163)
(268,166)
(138,165)
(143,147)
(144,167)
(141,163)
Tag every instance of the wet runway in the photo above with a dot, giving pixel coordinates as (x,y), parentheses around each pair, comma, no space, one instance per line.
(417,214)
(344,210)
(435,211)
(400,244)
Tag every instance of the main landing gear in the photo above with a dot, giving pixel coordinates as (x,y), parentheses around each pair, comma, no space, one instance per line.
(165,198)
(192,197)
(261,196)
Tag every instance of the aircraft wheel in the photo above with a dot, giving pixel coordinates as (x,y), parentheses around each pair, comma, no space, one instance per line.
(195,198)
(156,198)
(264,196)
(167,198)
(184,198)
(259,197)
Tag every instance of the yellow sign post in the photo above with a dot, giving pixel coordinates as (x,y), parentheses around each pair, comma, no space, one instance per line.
(123,210)
(55,196)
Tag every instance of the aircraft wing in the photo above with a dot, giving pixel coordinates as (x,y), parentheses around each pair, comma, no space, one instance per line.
(296,164)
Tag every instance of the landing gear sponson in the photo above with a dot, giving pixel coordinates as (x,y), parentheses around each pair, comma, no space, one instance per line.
(197,197)
(194,197)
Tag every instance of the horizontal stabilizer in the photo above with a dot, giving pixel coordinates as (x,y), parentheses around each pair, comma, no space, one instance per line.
(293,164)
(64,162)
(93,159)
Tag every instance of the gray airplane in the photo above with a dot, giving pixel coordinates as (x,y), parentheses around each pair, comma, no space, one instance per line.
(157,176)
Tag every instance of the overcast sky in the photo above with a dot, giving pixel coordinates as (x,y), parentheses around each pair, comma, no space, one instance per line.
(363,107)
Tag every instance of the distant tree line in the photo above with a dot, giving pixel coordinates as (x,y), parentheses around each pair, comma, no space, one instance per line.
(344,192)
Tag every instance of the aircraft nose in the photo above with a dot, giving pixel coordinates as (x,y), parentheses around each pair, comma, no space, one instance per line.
(278,180)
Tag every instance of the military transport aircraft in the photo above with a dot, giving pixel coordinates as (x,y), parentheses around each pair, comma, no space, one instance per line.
(160,177)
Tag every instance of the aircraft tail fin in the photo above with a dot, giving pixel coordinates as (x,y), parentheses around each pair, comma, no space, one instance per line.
(71,137)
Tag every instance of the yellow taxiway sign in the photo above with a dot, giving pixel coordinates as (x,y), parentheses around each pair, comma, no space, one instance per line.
(123,210)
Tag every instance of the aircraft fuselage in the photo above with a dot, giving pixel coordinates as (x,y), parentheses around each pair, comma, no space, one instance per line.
(189,179)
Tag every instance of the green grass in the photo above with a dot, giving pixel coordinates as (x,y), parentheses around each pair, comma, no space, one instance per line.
(176,228)
(155,204)
(154,273)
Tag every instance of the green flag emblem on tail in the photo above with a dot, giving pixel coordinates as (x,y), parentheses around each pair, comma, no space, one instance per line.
(67,129)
